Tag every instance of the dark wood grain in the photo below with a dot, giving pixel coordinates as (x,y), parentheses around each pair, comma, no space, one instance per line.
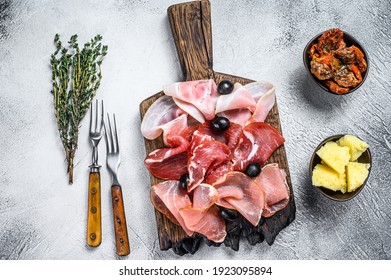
(191,27)
(120,229)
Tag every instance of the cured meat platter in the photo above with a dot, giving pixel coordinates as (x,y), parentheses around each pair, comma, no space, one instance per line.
(191,27)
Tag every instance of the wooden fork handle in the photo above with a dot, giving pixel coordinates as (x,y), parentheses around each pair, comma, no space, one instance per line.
(120,229)
(94,217)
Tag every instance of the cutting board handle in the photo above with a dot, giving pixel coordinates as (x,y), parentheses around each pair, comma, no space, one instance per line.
(192,30)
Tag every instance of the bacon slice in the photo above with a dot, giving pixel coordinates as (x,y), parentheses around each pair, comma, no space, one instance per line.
(205,153)
(238,99)
(202,94)
(168,198)
(256,144)
(272,181)
(169,163)
(240,192)
(161,117)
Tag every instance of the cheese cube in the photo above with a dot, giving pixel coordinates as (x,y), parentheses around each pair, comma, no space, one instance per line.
(356,174)
(355,145)
(334,156)
(324,176)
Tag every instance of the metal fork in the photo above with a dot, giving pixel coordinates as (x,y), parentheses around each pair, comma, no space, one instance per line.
(113,161)
(94,217)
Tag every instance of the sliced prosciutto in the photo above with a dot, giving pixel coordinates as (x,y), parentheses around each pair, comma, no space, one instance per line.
(264,105)
(168,196)
(238,99)
(203,216)
(201,94)
(163,116)
(169,163)
(240,192)
(230,137)
(256,144)
(205,153)
(239,116)
(272,181)
(259,89)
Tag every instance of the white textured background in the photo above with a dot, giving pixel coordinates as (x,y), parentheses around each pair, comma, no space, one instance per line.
(42,217)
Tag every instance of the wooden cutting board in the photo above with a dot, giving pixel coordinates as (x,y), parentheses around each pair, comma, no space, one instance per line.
(191,27)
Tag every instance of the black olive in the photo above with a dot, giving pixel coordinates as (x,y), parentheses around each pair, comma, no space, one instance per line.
(228,214)
(219,124)
(253,169)
(183,181)
(225,87)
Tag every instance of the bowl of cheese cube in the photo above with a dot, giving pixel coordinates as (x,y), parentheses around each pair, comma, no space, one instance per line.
(340,166)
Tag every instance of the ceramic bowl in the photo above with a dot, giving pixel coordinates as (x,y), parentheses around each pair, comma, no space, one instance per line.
(366,157)
(349,40)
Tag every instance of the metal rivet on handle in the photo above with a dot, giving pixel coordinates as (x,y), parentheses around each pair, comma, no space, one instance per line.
(93,190)
(93,209)
(121,240)
(118,220)
(93,236)
(116,198)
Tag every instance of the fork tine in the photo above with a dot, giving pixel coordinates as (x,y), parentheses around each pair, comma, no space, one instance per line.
(115,139)
(91,115)
(111,136)
(106,133)
(96,116)
(102,118)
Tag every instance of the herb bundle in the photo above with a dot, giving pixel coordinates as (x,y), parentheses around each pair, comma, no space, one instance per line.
(76,76)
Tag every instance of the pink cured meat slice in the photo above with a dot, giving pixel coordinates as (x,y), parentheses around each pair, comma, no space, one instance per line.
(163,116)
(169,163)
(256,144)
(217,173)
(259,89)
(168,196)
(238,99)
(272,181)
(202,216)
(239,116)
(230,137)
(240,192)
(204,196)
(205,153)
(264,105)
(202,94)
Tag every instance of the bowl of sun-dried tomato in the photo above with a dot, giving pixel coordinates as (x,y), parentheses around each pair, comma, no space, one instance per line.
(336,61)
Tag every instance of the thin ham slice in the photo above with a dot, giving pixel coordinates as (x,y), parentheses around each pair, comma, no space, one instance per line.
(205,153)
(264,105)
(239,116)
(163,116)
(259,89)
(168,196)
(169,163)
(238,99)
(240,192)
(272,181)
(230,137)
(204,196)
(190,109)
(256,144)
(201,94)
(215,174)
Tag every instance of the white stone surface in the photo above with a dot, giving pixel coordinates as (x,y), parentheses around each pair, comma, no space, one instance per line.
(42,217)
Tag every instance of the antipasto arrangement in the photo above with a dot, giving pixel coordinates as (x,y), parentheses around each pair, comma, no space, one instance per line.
(214,165)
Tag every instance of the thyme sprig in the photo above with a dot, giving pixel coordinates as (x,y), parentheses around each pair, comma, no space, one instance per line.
(76,77)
